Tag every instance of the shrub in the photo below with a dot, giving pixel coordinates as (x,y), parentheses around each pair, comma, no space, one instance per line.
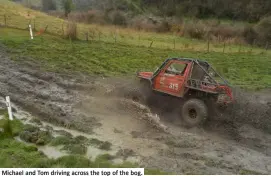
(263,29)
(71,31)
(142,23)
(197,31)
(118,18)
(249,34)
(225,32)
(164,26)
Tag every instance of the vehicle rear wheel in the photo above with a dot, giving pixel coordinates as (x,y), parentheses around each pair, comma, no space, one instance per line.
(194,112)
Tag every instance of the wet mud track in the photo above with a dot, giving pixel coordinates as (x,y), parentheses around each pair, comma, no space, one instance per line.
(90,105)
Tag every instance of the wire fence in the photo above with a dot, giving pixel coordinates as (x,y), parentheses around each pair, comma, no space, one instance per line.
(114,35)
(127,36)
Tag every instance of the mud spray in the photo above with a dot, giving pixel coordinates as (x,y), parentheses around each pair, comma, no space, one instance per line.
(253,108)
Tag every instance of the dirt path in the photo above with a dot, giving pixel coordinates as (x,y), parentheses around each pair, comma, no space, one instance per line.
(83,103)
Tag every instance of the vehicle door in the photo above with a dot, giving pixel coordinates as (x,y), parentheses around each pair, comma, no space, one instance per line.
(172,78)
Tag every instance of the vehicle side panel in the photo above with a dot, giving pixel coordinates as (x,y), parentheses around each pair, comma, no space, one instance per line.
(170,83)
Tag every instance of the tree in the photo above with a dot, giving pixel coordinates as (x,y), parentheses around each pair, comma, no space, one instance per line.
(48,5)
(68,6)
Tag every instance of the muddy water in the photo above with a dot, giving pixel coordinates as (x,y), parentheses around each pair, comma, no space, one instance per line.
(78,102)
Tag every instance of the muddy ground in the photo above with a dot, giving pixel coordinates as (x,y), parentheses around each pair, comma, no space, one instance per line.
(233,143)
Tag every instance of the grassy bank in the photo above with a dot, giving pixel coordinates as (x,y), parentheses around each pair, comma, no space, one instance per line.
(56,54)
(17,16)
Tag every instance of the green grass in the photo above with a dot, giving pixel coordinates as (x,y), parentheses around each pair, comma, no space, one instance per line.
(34,135)
(19,17)
(15,154)
(78,144)
(101,58)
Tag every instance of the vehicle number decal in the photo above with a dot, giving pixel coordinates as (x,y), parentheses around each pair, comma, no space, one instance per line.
(173,86)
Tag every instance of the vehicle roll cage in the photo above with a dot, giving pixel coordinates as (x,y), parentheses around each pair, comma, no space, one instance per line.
(199,63)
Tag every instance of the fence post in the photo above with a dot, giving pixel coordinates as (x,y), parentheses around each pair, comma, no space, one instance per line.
(45,29)
(9,108)
(139,40)
(5,19)
(266,46)
(254,41)
(151,44)
(34,25)
(208,44)
(63,29)
(31,32)
(86,36)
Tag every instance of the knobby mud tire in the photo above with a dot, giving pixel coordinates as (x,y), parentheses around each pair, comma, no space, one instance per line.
(194,112)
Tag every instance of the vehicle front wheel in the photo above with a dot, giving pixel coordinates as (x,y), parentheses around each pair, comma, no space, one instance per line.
(194,112)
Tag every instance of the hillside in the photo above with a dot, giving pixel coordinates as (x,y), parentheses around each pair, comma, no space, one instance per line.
(132,50)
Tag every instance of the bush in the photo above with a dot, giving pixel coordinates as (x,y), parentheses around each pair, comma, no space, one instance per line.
(71,31)
(226,32)
(263,29)
(142,23)
(249,34)
(119,18)
(197,31)
(34,135)
(164,26)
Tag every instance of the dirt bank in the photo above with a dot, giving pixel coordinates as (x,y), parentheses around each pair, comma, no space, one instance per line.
(92,106)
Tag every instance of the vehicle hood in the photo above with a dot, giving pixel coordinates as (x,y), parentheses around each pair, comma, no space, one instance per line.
(145,75)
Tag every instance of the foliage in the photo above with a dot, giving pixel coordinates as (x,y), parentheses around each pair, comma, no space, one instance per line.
(263,29)
(71,30)
(110,59)
(48,5)
(68,6)
(249,10)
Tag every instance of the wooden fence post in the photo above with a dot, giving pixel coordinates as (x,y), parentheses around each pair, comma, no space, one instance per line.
(63,29)
(208,49)
(45,29)
(151,44)
(86,36)
(5,19)
(266,46)
(254,41)
(34,25)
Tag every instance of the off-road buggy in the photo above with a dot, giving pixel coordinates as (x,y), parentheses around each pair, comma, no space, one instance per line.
(195,82)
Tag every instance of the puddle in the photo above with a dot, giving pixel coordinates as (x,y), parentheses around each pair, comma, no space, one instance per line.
(52,152)
(56,152)
(92,152)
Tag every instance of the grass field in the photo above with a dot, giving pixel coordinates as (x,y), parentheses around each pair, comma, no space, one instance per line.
(130,51)
(109,59)
(18,16)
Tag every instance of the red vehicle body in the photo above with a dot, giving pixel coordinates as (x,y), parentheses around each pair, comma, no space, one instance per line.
(190,79)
